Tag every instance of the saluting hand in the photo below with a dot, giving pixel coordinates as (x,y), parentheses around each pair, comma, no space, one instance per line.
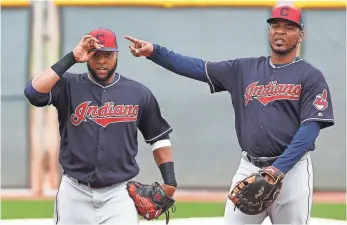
(82,51)
(139,47)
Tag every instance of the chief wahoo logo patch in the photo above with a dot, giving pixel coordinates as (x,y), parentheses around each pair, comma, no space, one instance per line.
(321,101)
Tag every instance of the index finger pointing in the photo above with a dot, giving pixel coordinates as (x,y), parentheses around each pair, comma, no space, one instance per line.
(132,39)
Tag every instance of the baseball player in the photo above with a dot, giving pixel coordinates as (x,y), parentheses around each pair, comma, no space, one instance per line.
(281,102)
(99,113)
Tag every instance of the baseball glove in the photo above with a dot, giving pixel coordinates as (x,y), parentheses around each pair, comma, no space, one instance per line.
(150,200)
(255,194)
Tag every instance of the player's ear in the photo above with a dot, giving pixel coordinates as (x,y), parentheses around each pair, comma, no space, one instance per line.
(301,36)
(116,55)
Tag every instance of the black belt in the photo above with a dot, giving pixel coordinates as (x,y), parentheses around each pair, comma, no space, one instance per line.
(261,162)
(90,185)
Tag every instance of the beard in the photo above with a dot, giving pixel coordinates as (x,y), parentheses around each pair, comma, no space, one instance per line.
(109,74)
(284,52)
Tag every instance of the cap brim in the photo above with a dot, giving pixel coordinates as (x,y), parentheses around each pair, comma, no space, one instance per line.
(270,20)
(280,18)
(105,49)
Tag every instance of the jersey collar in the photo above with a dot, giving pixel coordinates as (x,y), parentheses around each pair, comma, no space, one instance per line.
(115,80)
(297,59)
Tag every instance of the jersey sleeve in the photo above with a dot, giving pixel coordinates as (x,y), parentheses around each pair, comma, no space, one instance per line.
(220,74)
(316,104)
(152,124)
(58,92)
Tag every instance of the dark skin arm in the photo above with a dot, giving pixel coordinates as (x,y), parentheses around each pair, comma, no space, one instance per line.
(162,155)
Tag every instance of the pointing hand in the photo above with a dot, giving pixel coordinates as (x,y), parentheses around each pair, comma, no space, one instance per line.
(139,47)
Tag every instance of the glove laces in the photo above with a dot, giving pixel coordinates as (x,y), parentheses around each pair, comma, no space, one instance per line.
(167,214)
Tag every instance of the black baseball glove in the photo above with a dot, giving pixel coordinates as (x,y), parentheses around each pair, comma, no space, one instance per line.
(150,200)
(255,194)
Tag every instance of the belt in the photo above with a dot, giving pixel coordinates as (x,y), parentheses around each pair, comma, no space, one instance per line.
(260,162)
(90,185)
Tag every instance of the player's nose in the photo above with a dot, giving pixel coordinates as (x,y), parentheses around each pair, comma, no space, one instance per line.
(280,30)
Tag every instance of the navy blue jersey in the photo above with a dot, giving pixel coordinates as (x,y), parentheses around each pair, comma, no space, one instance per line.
(270,102)
(98,126)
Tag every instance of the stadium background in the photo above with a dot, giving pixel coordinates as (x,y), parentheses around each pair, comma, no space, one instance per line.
(36,34)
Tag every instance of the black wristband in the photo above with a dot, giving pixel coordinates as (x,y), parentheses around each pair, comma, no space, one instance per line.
(168,173)
(64,64)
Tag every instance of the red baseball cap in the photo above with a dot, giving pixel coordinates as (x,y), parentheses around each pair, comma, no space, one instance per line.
(106,38)
(289,13)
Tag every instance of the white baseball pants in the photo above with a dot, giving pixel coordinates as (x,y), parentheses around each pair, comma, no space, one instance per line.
(78,204)
(293,205)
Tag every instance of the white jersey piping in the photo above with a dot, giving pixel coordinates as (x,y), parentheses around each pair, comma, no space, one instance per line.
(273,66)
(104,86)
(208,78)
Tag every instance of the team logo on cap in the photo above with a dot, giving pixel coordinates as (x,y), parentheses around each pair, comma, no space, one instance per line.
(284,11)
(321,101)
(272,92)
(104,115)
(101,38)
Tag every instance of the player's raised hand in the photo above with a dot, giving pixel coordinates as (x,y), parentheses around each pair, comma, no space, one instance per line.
(139,47)
(83,51)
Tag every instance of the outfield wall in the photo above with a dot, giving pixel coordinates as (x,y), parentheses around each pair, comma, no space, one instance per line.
(203,123)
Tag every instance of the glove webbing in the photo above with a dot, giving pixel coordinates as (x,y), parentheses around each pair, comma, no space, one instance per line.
(167,214)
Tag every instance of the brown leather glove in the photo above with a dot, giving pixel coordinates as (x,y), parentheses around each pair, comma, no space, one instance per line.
(257,192)
(150,200)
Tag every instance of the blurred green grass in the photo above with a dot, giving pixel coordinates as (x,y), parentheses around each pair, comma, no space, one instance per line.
(18,209)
